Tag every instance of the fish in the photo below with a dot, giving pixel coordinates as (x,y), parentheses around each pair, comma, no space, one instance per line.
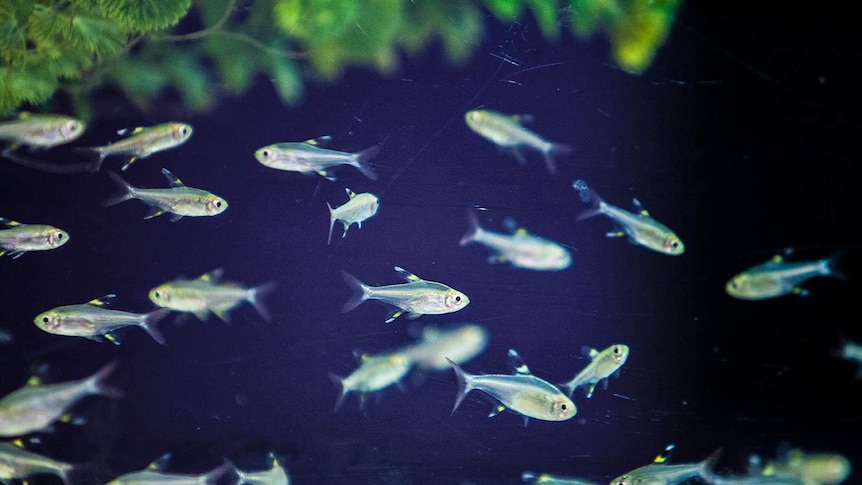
(41,130)
(460,344)
(754,480)
(848,350)
(17,238)
(275,475)
(179,200)
(602,365)
(778,277)
(416,297)
(375,373)
(507,132)
(309,157)
(660,473)
(155,474)
(639,227)
(206,294)
(521,392)
(36,406)
(548,479)
(6,337)
(520,249)
(16,463)
(94,321)
(359,208)
(143,141)
(809,468)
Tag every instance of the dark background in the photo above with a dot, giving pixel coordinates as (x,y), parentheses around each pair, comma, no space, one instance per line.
(742,137)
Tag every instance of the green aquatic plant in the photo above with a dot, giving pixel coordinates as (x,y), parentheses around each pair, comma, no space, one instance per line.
(202,49)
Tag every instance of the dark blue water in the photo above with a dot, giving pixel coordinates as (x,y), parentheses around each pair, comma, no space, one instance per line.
(742,137)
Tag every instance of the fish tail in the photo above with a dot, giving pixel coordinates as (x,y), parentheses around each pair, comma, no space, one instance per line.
(212,477)
(127,191)
(360,292)
(708,465)
(465,383)
(597,207)
(255,296)
(473,231)
(362,158)
(149,324)
(338,381)
(550,151)
(98,384)
(98,152)
(831,266)
(331,222)
(569,387)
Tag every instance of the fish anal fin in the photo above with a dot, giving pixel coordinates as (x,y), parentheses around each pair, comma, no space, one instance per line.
(395,314)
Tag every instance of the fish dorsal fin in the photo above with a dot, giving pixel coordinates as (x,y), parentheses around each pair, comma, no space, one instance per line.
(173,181)
(589,352)
(18,443)
(160,463)
(664,455)
(103,300)
(350,193)
(211,277)
(510,225)
(320,141)
(130,131)
(34,381)
(639,208)
(777,259)
(273,460)
(524,118)
(518,364)
(408,276)
(9,223)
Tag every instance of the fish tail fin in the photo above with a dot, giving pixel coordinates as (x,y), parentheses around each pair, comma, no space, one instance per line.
(331,222)
(256,295)
(597,205)
(96,152)
(554,149)
(707,466)
(361,161)
(360,292)
(212,477)
(465,383)
(127,191)
(569,387)
(338,381)
(473,231)
(100,387)
(831,266)
(149,324)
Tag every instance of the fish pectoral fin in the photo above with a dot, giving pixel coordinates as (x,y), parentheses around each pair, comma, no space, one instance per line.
(175,217)
(518,156)
(395,314)
(413,316)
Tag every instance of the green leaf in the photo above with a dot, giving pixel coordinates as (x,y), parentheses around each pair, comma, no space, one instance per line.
(144,15)
(287,80)
(586,17)
(190,80)
(236,63)
(49,26)
(29,83)
(316,20)
(96,35)
(545,12)
(461,31)
(12,42)
(505,10)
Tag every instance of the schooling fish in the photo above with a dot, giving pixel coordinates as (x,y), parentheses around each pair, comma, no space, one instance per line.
(375,373)
(144,141)
(17,238)
(155,474)
(520,249)
(778,277)
(41,130)
(602,365)
(179,200)
(206,295)
(93,321)
(507,132)
(359,208)
(437,345)
(809,468)
(640,227)
(521,392)
(548,479)
(309,157)
(17,463)
(417,297)
(660,473)
(36,406)
(275,475)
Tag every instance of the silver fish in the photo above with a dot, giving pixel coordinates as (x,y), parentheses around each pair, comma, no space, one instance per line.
(309,157)
(275,475)
(778,277)
(660,473)
(520,249)
(375,373)
(359,208)
(548,479)
(41,130)
(144,141)
(602,365)
(640,227)
(460,344)
(36,406)
(809,468)
(17,463)
(17,238)
(521,392)
(93,321)
(416,297)
(155,474)
(207,294)
(507,132)
(178,200)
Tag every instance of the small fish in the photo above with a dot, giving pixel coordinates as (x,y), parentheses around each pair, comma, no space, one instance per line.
(660,473)
(375,373)
(416,297)
(6,337)
(506,132)
(778,277)
(206,295)
(848,350)
(179,200)
(155,474)
(521,392)
(548,479)
(810,468)
(754,480)
(309,157)
(41,130)
(359,208)
(602,365)
(19,238)
(275,475)
(36,406)
(460,344)
(144,141)
(640,227)
(520,249)
(17,463)
(93,321)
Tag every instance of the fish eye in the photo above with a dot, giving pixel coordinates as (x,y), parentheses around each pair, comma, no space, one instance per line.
(218,204)
(457,299)
(184,130)
(59,236)
(674,244)
(616,350)
(45,319)
(157,294)
(564,406)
